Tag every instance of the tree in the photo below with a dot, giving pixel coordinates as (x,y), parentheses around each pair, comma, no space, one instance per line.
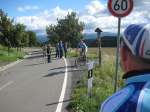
(32,38)
(6,25)
(20,35)
(52,34)
(68,30)
(6,29)
(15,35)
(25,39)
(1,34)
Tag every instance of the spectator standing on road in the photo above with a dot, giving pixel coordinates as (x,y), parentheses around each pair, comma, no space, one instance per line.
(48,53)
(57,51)
(44,52)
(61,48)
(135,60)
(65,49)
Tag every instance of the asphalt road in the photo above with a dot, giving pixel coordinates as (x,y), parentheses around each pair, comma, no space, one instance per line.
(36,86)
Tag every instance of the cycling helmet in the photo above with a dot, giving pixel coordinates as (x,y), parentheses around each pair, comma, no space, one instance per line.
(137,39)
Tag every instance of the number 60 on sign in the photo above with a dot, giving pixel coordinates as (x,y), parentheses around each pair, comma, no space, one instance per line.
(120,8)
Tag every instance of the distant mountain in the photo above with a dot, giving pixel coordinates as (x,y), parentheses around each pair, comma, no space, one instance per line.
(103,34)
(108,39)
(42,38)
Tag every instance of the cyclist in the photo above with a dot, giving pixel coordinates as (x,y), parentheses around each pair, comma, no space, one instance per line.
(82,48)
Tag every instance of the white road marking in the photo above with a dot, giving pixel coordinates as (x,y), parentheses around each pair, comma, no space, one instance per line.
(59,106)
(7,84)
(9,65)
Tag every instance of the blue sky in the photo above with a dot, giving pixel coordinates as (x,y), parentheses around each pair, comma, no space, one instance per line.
(37,14)
(11,6)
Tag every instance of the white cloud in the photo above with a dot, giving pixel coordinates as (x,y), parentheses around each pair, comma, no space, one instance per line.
(100,17)
(95,7)
(20,9)
(141,2)
(95,14)
(27,8)
(44,19)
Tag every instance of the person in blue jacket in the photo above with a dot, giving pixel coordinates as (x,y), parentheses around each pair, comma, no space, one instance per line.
(61,49)
(135,61)
(49,53)
(65,49)
(57,51)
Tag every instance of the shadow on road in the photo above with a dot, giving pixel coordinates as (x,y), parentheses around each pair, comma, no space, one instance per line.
(34,64)
(37,52)
(61,68)
(38,56)
(61,72)
(54,103)
(34,57)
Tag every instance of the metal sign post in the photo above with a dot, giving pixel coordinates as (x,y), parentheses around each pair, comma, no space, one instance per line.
(117,55)
(119,9)
(90,77)
(90,81)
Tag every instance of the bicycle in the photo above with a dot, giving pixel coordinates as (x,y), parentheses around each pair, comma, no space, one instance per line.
(81,59)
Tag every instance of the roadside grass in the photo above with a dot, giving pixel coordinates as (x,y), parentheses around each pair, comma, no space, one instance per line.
(72,53)
(12,56)
(103,85)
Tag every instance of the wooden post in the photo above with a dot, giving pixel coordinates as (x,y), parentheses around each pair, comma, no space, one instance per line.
(99,44)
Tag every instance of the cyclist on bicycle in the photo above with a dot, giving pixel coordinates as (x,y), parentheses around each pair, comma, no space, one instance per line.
(82,48)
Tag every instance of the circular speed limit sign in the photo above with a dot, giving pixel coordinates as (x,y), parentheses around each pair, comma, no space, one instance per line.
(120,8)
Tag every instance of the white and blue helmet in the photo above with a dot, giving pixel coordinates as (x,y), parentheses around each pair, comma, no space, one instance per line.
(137,39)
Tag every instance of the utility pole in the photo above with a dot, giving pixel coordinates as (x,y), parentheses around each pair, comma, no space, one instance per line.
(98,31)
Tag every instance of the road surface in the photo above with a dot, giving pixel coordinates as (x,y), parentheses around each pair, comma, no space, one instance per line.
(36,86)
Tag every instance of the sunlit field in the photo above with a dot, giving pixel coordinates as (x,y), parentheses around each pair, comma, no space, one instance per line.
(93,52)
(105,51)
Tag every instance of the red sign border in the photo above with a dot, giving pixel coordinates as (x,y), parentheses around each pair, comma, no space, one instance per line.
(119,15)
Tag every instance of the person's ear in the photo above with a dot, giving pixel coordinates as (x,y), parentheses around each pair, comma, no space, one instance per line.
(123,58)
(123,54)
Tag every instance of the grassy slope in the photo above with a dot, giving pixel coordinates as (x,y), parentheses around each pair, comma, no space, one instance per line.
(102,84)
(13,55)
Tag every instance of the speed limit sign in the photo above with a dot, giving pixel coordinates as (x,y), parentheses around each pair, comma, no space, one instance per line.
(120,8)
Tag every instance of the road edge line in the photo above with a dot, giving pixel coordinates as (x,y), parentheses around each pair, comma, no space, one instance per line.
(9,65)
(7,84)
(59,106)
(5,67)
